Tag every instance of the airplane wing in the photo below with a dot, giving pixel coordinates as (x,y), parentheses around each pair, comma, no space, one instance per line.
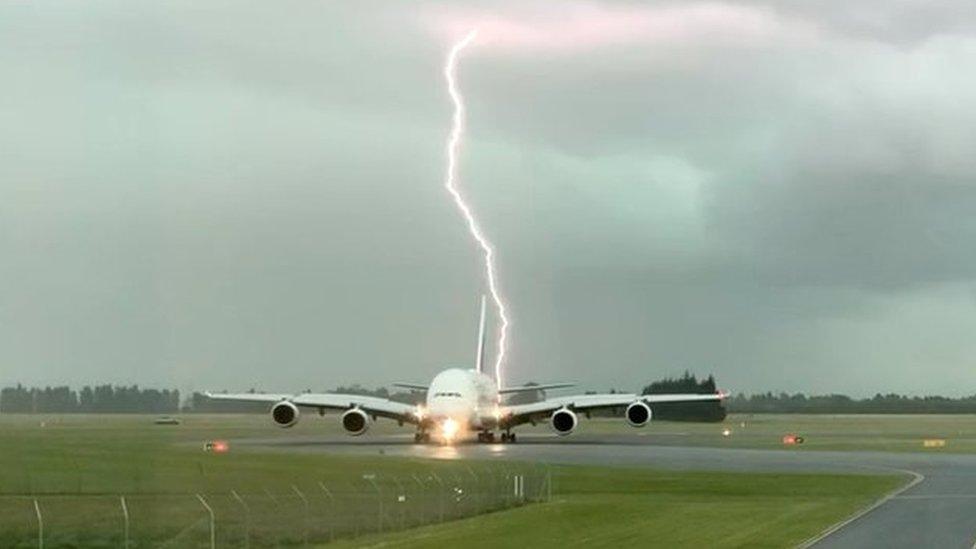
(522,413)
(374,406)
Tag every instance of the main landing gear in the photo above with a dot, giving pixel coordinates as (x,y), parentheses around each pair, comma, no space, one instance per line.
(489,437)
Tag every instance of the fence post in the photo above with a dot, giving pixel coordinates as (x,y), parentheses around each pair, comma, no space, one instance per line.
(247,518)
(421,496)
(305,525)
(125,523)
(379,498)
(402,494)
(442,494)
(491,487)
(213,522)
(458,495)
(40,525)
(510,496)
(277,506)
(332,508)
(548,485)
(476,497)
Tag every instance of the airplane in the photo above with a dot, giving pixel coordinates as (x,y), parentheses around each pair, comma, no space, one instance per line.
(461,401)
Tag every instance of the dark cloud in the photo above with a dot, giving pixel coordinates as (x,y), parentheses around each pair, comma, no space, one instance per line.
(232,196)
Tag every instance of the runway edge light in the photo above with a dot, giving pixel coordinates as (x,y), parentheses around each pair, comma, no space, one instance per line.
(216,446)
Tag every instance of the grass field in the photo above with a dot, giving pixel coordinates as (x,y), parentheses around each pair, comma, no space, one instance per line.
(882,433)
(79,466)
(624,507)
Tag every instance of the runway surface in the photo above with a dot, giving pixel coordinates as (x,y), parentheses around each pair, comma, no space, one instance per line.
(938,510)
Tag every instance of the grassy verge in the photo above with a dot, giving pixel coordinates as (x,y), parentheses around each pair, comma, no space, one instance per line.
(596,507)
(78,470)
(80,466)
(881,433)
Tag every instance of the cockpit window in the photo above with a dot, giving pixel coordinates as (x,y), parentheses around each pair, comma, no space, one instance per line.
(449,395)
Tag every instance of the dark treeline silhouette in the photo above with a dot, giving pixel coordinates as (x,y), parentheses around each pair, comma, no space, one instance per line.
(685,411)
(676,411)
(891,403)
(98,399)
(134,399)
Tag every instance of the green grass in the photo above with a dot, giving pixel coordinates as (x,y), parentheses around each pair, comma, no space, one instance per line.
(610,507)
(129,455)
(882,433)
(78,467)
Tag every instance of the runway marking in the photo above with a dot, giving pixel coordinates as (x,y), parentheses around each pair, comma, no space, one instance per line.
(917,478)
(939,496)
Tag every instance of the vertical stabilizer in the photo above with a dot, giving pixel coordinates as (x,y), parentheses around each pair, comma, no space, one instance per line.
(480,360)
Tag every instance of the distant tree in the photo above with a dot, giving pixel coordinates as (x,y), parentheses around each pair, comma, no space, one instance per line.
(685,411)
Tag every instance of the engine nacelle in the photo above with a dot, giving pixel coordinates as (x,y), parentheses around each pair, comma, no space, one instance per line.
(355,421)
(284,414)
(638,414)
(563,421)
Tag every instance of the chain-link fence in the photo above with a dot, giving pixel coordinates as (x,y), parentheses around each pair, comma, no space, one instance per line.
(295,515)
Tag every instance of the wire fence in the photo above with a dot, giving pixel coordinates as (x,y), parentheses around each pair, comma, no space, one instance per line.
(284,516)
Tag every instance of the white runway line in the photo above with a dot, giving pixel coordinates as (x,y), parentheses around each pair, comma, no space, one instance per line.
(917,478)
(939,496)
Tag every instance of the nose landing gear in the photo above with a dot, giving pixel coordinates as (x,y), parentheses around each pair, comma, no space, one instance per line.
(508,437)
(486,436)
(421,437)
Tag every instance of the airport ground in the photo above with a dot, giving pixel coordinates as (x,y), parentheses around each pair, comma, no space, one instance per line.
(671,484)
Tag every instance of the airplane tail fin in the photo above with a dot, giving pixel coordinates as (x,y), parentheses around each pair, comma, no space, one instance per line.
(480,360)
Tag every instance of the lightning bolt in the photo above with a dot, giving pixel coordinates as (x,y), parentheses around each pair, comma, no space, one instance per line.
(450,183)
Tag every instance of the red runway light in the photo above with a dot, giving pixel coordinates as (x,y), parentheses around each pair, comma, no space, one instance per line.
(792,439)
(217,446)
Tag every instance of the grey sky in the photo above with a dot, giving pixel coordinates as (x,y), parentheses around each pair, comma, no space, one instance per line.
(218,195)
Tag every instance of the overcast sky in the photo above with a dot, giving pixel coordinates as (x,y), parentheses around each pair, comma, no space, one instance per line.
(234,195)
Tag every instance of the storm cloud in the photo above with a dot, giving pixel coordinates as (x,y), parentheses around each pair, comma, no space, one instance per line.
(227,196)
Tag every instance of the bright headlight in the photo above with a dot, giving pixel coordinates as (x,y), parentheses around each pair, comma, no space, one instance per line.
(449,428)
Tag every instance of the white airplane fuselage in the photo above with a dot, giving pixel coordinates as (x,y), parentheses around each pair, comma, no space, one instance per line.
(466,397)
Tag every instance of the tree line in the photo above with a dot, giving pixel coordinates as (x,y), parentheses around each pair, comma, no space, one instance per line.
(799,403)
(686,411)
(134,399)
(97,399)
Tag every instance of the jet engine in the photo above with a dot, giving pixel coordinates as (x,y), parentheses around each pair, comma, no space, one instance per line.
(284,414)
(355,421)
(638,414)
(564,421)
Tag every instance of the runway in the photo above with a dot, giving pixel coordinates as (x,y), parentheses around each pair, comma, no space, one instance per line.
(938,510)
